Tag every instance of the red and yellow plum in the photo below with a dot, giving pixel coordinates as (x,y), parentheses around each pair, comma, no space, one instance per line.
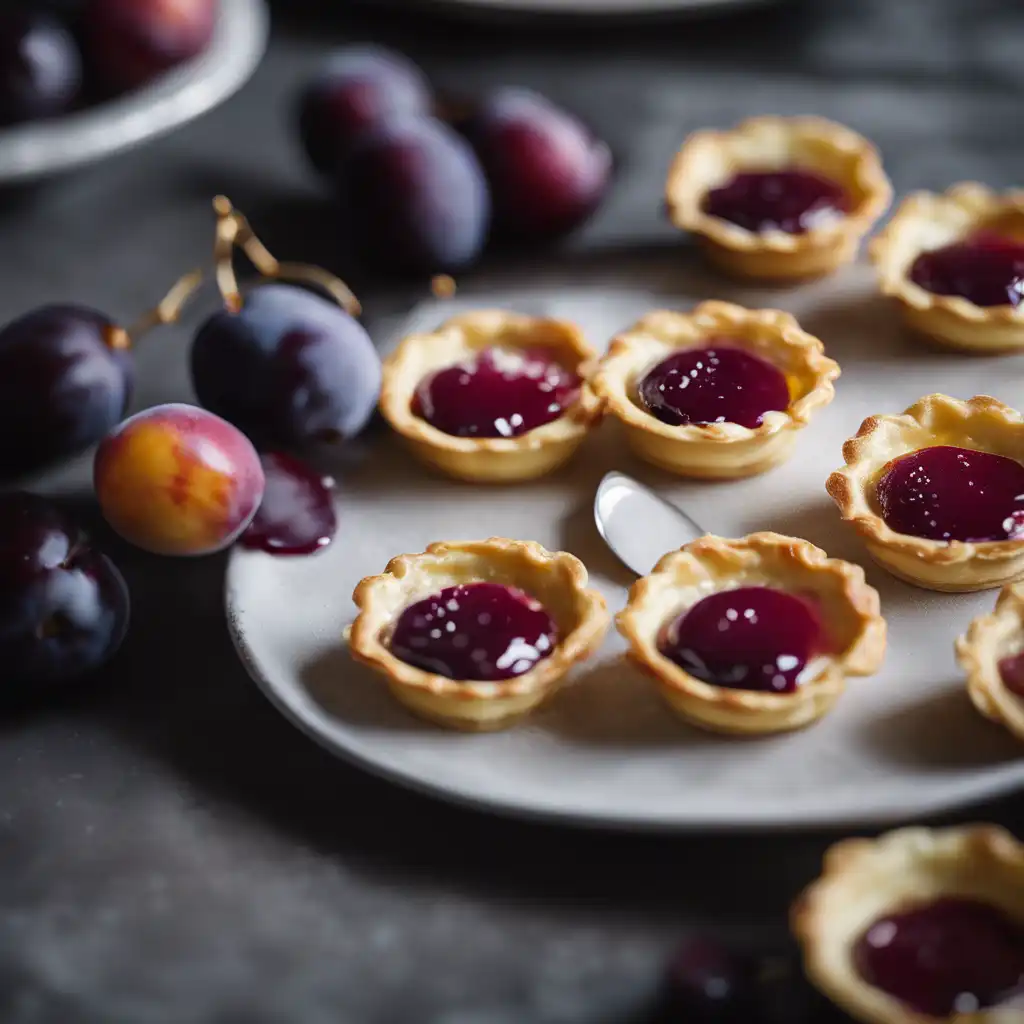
(177,480)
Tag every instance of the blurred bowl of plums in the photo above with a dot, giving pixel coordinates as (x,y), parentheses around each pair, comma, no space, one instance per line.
(84,79)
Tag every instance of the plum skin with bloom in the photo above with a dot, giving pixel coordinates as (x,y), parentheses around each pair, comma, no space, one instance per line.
(64,607)
(178,480)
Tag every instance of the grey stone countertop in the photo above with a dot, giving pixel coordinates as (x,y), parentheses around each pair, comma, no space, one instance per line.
(171,850)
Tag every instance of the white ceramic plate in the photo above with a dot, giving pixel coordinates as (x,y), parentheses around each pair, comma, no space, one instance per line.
(901,745)
(47,147)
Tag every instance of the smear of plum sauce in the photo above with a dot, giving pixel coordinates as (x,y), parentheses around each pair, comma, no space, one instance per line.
(297,514)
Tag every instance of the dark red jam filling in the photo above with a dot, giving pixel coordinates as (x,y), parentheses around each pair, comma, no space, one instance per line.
(502,392)
(953,956)
(475,631)
(1011,671)
(296,516)
(717,384)
(986,269)
(793,201)
(750,638)
(948,493)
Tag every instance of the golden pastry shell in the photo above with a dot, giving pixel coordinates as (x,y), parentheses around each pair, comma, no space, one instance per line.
(989,638)
(926,221)
(557,579)
(716,450)
(850,608)
(863,880)
(488,459)
(980,423)
(709,159)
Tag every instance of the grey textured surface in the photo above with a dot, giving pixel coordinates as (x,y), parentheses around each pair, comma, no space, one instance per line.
(171,850)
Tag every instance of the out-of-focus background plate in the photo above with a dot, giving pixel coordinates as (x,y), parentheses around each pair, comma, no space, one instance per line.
(601,7)
(48,147)
(903,744)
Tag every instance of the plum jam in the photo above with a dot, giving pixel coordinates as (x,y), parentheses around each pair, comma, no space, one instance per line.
(955,955)
(296,516)
(475,631)
(1011,671)
(717,384)
(949,493)
(986,269)
(793,201)
(750,638)
(502,392)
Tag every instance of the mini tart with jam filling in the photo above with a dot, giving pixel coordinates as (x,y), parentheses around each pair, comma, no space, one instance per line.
(991,652)
(778,197)
(669,374)
(937,492)
(474,635)
(753,636)
(919,926)
(492,396)
(955,263)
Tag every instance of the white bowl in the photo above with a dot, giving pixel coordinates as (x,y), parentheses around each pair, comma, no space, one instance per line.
(41,148)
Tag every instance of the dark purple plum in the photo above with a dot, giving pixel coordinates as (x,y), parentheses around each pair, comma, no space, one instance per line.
(357,89)
(64,382)
(131,42)
(709,983)
(63,604)
(289,369)
(416,197)
(548,172)
(40,66)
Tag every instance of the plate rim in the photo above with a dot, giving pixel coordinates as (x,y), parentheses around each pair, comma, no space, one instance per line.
(978,792)
(42,148)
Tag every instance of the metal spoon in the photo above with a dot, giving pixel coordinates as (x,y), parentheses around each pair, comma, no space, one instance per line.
(639,525)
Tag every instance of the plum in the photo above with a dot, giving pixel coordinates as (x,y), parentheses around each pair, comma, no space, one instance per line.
(289,368)
(359,87)
(64,606)
(177,480)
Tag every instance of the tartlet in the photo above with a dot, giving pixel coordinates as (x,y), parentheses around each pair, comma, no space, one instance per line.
(716,450)
(981,424)
(989,639)
(863,880)
(488,459)
(556,579)
(708,159)
(849,610)
(926,221)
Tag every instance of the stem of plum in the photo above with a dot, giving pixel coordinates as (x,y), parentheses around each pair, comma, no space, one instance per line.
(233,231)
(167,311)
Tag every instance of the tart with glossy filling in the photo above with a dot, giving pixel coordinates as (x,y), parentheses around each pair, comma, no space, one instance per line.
(475,634)
(492,396)
(718,392)
(991,652)
(919,926)
(753,636)
(937,492)
(955,263)
(778,197)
